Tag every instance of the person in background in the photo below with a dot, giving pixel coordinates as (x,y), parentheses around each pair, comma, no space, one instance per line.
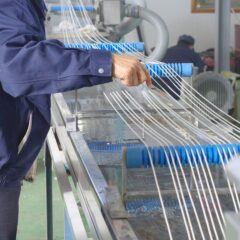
(183,52)
(32,68)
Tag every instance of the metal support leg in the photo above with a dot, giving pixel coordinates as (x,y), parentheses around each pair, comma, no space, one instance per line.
(48,165)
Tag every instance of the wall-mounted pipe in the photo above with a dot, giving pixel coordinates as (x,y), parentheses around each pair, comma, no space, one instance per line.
(137,11)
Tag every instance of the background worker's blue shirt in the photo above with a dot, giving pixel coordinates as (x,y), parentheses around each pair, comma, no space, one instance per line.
(182,54)
(178,54)
(31,68)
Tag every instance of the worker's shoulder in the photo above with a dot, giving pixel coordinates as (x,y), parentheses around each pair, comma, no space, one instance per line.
(186,50)
(10,3)
(11,6)
(14,12)
(172,48)
(178,50)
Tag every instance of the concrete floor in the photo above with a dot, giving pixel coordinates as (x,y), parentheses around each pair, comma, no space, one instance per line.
(32,217)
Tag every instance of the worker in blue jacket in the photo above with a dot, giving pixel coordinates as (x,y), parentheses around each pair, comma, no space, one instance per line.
(31,68)
(183,52)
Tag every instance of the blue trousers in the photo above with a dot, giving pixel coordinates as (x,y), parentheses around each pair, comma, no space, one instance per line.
(9,198)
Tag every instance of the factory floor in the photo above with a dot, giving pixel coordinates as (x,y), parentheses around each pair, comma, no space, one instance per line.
(32,216)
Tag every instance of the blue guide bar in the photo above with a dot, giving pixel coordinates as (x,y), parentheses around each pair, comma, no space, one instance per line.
(155,70)
(113,47)
(77,8)
(166,69)
(138,156)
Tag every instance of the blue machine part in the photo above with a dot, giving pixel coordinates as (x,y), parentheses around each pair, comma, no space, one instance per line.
(155,70)
(163,69)
(138,156)
(109,147)
(77,8)
(113,47)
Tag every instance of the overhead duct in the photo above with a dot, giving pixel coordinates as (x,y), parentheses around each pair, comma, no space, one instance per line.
(141,13)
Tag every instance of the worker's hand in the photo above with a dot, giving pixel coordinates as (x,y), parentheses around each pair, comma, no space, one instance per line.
(129,70)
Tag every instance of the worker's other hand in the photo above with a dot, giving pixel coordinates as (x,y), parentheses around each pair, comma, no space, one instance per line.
(129,70)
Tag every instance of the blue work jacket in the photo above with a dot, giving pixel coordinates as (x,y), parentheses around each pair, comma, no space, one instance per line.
(183,54)
(31,68)
(178,54)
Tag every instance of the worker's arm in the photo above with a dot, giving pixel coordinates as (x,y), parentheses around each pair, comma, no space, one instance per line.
(197,61)
(29,66)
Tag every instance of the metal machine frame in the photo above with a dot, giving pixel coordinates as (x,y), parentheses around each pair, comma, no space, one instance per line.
(101,204)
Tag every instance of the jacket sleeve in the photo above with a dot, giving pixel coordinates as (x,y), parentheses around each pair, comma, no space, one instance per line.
(30,65)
